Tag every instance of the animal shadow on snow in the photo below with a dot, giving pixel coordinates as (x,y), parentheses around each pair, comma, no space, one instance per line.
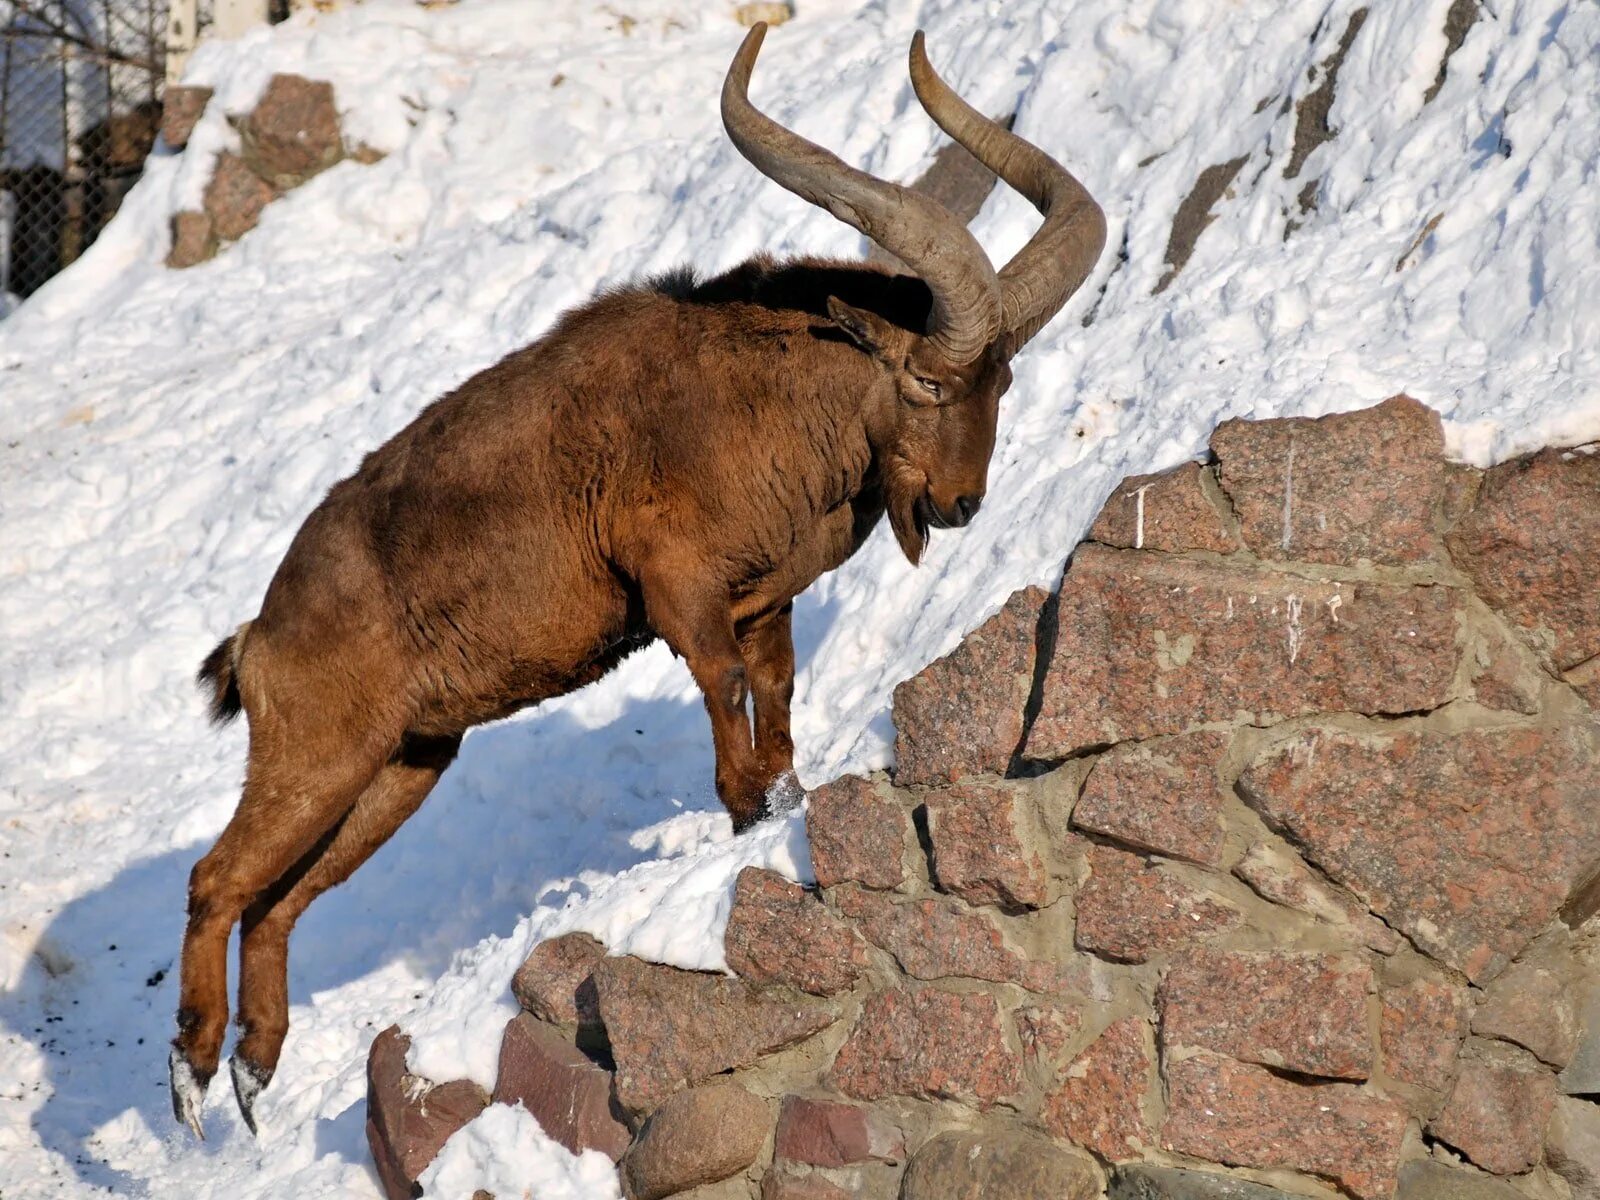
(528,804)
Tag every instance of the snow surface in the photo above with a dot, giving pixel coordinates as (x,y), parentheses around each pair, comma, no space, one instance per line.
(163,433)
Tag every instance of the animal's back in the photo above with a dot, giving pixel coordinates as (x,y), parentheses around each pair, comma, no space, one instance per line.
(473,534)
(483,531)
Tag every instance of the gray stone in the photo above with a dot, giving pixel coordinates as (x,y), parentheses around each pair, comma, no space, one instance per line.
(1531,1005)
(999,1163)
(1143,1182)
(1582,1076)
(556,983)
(233,199)
(670,1029)
(1426,1180)
(1572,1146)
(1498,1110)
(293,131)
(193,239)
(699,1136)
(181,107)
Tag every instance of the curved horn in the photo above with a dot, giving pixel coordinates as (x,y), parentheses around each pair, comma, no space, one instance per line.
(920,232)
(1058,258)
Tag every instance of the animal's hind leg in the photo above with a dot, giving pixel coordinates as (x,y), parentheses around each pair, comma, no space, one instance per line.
(398,791)
(291,798)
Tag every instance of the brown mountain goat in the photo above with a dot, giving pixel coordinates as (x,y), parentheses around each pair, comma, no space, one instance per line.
(675,460)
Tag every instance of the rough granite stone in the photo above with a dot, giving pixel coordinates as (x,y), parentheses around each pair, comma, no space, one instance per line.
(697,1137)
(858,833)
(672,1028)
(1337,489)
(1130,909)
(193,241)
(1243,1115)
(1531,547)
(1421,1029)
(1425,1180)
(1045,1031)
(1300,1012)
(1099,1103)
(963,714)
(1280,877)
(1165,797)
(1139,1181)
(928,1043)
(1461,484)
(556,982)
(1585,680)
(934,938)
(234,197)
(564,1090)
(1468,843)
(779,1185)
(1146,644)
(780,933)
(409,1118)
(1572,1146)
(825,1133)
(1582,1075)
(293,131)
(181,106)
(981,850)
(1170,511)
(1497,1111)
(1531,1005)
(1501,679)
(992,1164)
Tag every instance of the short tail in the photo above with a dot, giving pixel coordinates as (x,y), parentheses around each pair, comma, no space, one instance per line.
(220,675)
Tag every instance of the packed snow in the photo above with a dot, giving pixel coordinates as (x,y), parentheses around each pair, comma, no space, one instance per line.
(163,433)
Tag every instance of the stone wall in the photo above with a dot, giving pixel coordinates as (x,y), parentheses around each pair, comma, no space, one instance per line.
(1258,861)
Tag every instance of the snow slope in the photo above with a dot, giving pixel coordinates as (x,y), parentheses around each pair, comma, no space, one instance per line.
(163,433)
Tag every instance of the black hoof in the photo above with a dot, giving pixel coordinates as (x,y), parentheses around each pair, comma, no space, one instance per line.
(750,819)
(188,1091)
(248,1080)
(785,795)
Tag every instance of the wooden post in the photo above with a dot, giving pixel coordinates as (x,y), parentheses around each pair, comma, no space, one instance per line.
(183,22)
(230,18)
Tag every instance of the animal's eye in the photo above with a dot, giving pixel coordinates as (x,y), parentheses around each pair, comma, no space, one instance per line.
(931,386)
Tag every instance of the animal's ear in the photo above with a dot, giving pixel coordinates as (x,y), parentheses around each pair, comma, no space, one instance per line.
(866,329)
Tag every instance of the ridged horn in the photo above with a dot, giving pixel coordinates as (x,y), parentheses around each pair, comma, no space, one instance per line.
(920,232)
(1058,258)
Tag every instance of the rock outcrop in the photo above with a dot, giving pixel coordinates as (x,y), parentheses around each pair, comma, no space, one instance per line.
(291,134)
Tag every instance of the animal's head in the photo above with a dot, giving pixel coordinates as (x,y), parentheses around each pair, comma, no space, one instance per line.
(948,378)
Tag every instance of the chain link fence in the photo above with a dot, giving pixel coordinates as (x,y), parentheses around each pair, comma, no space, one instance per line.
(80,106)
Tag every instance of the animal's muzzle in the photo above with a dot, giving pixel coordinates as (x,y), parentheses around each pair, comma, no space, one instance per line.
(961,513)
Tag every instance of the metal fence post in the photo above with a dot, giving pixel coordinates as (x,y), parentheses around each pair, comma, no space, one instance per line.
(8,220)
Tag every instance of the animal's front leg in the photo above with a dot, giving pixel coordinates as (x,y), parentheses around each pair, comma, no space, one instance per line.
(768,648)
(693,614)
